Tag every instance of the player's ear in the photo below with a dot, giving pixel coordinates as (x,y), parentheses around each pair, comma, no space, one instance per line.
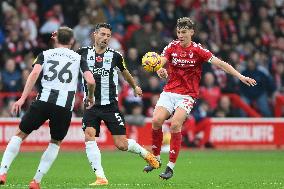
(191,31)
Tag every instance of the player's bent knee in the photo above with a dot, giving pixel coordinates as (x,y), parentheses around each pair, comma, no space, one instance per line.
(175,127)
(21,134)
(157,122)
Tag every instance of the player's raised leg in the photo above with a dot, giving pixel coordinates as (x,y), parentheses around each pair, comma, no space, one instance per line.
(175,128)
(10,153)
(94,156)
(130,145)
(159,116)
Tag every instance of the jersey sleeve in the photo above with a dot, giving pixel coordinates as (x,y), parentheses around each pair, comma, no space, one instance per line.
(205,54)
(39,59)
(83,65)
(120,63)
(167,51)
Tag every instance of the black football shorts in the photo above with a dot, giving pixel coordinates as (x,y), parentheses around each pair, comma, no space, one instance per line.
(111,116)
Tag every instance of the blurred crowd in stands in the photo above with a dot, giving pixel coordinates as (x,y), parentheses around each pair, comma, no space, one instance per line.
(249,34)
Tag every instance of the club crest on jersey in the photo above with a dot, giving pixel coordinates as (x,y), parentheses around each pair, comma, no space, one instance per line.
(107,60)
(190,54)
(99,59)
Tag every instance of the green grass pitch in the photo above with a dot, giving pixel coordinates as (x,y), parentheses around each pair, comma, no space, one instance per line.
(194,169)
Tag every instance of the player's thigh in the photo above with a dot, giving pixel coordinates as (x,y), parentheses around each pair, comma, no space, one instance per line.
(184,102)
(91,119)
(160,114)
(115,122)
(59,122)
(33,118)
(166,101)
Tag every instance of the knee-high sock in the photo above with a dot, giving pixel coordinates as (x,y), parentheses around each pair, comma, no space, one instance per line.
(94,156)
(47,159)
(134,147)
(157,139)
(10,153)
(174,148)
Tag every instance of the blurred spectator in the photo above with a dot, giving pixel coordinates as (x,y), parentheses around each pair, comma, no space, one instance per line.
(51,24)
(82,32)
(136,117)
(132,60)
(95,12)
(116,45)
(225,109)
(146,39)
(259,93)
(209,91)
(154,85)
(279,77)
(28,25)
(133,26)
(11,77)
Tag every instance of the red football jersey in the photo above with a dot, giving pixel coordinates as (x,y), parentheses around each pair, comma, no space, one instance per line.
(184,67)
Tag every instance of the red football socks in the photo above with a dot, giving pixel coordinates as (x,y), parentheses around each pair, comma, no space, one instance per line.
(157,139)
(175,146)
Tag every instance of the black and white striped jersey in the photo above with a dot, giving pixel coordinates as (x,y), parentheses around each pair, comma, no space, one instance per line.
(58,81)
(105,69)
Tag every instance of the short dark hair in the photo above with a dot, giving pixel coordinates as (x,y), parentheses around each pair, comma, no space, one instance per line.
(64,35)
(185,23)
(103,25)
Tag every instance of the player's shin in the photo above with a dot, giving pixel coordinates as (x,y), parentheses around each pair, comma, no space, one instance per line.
(94,156)
(134,147)
(175,145)
(46,161)
(157,139)
(10,153)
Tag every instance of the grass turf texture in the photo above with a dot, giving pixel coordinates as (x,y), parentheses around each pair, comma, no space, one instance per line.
(194,169)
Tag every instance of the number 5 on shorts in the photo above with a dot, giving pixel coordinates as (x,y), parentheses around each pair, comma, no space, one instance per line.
(119,119)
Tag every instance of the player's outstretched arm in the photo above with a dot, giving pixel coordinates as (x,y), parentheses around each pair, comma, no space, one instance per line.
(128,77)
(28,88)
(229,69)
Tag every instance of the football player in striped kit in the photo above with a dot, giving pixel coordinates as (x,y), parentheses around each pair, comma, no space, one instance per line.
(56,72)
(105,63)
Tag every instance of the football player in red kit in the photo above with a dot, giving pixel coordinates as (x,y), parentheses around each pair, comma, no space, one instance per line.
(184,60)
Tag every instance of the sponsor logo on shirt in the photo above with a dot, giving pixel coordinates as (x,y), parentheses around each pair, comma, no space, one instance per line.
(183,62)
(101,71)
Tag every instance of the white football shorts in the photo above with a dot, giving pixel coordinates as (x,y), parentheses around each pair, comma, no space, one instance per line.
(172,101)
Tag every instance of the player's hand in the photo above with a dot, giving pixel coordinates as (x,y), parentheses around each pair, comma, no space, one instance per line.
(90,102)
(138,91)
(248,81)
(162,73)
(16,107)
